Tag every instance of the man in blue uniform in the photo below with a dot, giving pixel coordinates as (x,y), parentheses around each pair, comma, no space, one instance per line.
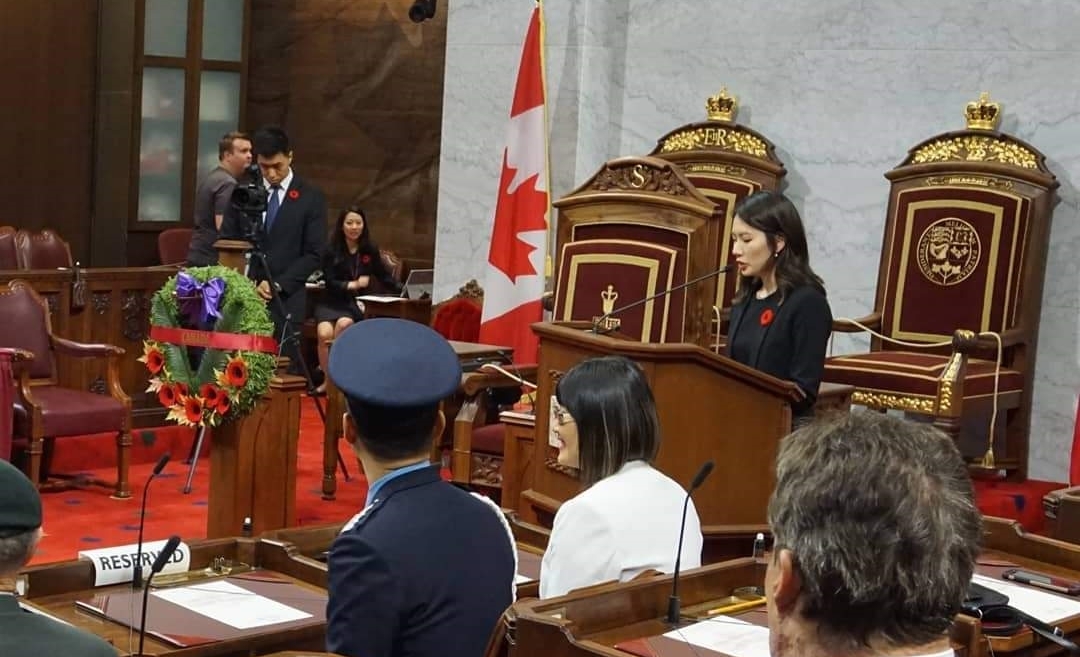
(25,634)
(426,569)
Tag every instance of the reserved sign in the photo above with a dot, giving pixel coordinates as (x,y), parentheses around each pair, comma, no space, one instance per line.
(116,565)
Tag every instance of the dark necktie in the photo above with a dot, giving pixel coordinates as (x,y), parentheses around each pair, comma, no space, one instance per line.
(273,204)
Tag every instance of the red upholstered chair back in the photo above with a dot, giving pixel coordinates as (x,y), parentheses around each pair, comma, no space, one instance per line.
(8,257)
(44,250)
(27,326)
(172,245)
(458,318)
(7,403)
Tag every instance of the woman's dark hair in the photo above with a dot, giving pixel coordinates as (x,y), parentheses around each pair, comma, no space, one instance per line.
(339,249)
(776,216)
(615,412)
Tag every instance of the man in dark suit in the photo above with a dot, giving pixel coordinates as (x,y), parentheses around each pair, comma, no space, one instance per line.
(426,569)
(23,633)
(293,233)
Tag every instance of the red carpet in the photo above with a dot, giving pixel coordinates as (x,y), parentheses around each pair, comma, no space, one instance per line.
(88,518)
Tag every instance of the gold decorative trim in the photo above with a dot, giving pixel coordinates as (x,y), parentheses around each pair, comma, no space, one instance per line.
(948,381)
(651,265)
(732,138)
(982,114)
(895,402)
(709,167)
(639,177)
(976,148)
(976,181)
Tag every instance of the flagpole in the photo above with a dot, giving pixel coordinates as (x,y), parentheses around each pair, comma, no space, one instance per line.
(549,267)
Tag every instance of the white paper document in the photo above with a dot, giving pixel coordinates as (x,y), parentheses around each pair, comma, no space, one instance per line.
(232,605)
(519,578)
(728,635)
(379,298)
(1045,606)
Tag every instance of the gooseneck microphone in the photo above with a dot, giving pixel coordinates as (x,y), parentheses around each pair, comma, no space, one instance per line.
(673,602)
(159,563)
(598,328)
(136,579)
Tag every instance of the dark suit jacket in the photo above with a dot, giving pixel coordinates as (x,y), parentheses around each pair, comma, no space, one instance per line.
(24,634)
(426,571)
(294,244)
(793,346)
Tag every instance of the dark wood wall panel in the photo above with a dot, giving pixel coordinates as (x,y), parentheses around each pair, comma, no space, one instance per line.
(47,108)
(359,89)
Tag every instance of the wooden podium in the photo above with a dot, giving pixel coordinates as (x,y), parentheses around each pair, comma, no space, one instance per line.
(253,464)
(710,407)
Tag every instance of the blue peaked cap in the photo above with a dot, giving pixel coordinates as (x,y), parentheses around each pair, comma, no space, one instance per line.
(394,362)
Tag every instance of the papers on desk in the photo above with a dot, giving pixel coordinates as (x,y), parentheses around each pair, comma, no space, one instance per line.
(1045,606)
(231,605)
(521,579)
(727,635)
(380,298)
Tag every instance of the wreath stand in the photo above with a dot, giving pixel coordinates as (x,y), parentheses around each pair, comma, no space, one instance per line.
(253,460)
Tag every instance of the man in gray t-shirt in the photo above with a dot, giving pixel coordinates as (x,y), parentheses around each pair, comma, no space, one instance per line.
(213,196)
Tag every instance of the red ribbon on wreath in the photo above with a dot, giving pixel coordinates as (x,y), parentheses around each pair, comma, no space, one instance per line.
(214,339)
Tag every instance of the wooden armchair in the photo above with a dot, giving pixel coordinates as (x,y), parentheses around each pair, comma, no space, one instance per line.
(961,275)
(173,245)
(44,408)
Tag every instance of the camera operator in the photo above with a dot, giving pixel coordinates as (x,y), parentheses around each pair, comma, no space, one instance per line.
(291,235)
(213,195)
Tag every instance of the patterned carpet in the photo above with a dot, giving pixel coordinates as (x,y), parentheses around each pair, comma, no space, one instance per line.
(88,518)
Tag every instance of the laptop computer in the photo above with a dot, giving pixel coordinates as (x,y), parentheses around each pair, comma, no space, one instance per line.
(419,284)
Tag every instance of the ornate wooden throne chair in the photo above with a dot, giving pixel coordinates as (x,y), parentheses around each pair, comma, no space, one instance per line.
(962,267)
(726,162)
(636,228)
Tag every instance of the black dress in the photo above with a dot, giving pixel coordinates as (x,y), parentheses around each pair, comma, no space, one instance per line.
(337,300)
(787,340)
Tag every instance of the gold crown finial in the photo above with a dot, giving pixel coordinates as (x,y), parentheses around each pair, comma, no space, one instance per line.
(722,107)
(982,114)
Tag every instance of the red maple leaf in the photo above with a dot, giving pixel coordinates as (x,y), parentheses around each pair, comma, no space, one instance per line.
(521,211)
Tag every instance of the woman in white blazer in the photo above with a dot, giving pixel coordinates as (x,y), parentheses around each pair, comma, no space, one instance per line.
(626,520)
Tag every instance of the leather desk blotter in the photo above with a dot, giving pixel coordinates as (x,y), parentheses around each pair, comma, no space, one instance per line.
(182,627)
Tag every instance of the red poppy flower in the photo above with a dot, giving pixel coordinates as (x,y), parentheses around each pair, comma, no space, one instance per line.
(767,316)
(236,373)
(293,194)
(167,395)
(366,259)
(223,405)
(155,360)
(193,408)
(210,394)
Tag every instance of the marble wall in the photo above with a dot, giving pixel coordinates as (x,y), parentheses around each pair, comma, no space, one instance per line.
(842,87)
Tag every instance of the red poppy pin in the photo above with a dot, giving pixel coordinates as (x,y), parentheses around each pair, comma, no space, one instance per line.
(767,316)
(294,194)
(366,259)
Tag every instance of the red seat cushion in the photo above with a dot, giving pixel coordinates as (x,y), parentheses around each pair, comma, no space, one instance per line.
(489,438)
(915,373)
(458,319)
(68,412)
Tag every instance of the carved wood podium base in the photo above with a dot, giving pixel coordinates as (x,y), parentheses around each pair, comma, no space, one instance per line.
(253,464)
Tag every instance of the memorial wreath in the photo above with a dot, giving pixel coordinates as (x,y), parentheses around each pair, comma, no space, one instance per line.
(217,312)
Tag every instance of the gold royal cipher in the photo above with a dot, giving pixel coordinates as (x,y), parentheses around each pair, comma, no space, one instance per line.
(608,298)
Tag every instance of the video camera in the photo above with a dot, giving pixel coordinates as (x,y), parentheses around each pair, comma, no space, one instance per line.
(250,199)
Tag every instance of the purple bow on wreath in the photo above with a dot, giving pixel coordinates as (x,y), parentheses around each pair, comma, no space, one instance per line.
(199,301)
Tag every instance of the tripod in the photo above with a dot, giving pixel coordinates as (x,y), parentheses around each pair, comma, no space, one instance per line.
(288,336)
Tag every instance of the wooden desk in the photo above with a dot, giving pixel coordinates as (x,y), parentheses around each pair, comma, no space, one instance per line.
(335,409)
(518,449)
(591,621)
(306,548)
(414,310)
(54,588)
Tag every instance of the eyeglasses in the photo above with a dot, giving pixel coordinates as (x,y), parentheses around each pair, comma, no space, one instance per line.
(562,416)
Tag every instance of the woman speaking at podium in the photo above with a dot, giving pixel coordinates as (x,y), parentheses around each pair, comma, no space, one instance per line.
(626,521)
(780,319)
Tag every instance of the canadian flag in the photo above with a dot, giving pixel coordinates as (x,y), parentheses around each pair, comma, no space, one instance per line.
(514,278)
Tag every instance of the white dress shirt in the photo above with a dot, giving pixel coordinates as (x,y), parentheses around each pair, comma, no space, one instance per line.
(617,528)
(284,187)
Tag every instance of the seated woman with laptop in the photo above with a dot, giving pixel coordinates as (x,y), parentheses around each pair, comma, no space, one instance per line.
(351,263)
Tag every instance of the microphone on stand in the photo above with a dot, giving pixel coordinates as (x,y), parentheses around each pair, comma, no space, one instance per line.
(136,579)
(673,601)
(159,563)
(597,327)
